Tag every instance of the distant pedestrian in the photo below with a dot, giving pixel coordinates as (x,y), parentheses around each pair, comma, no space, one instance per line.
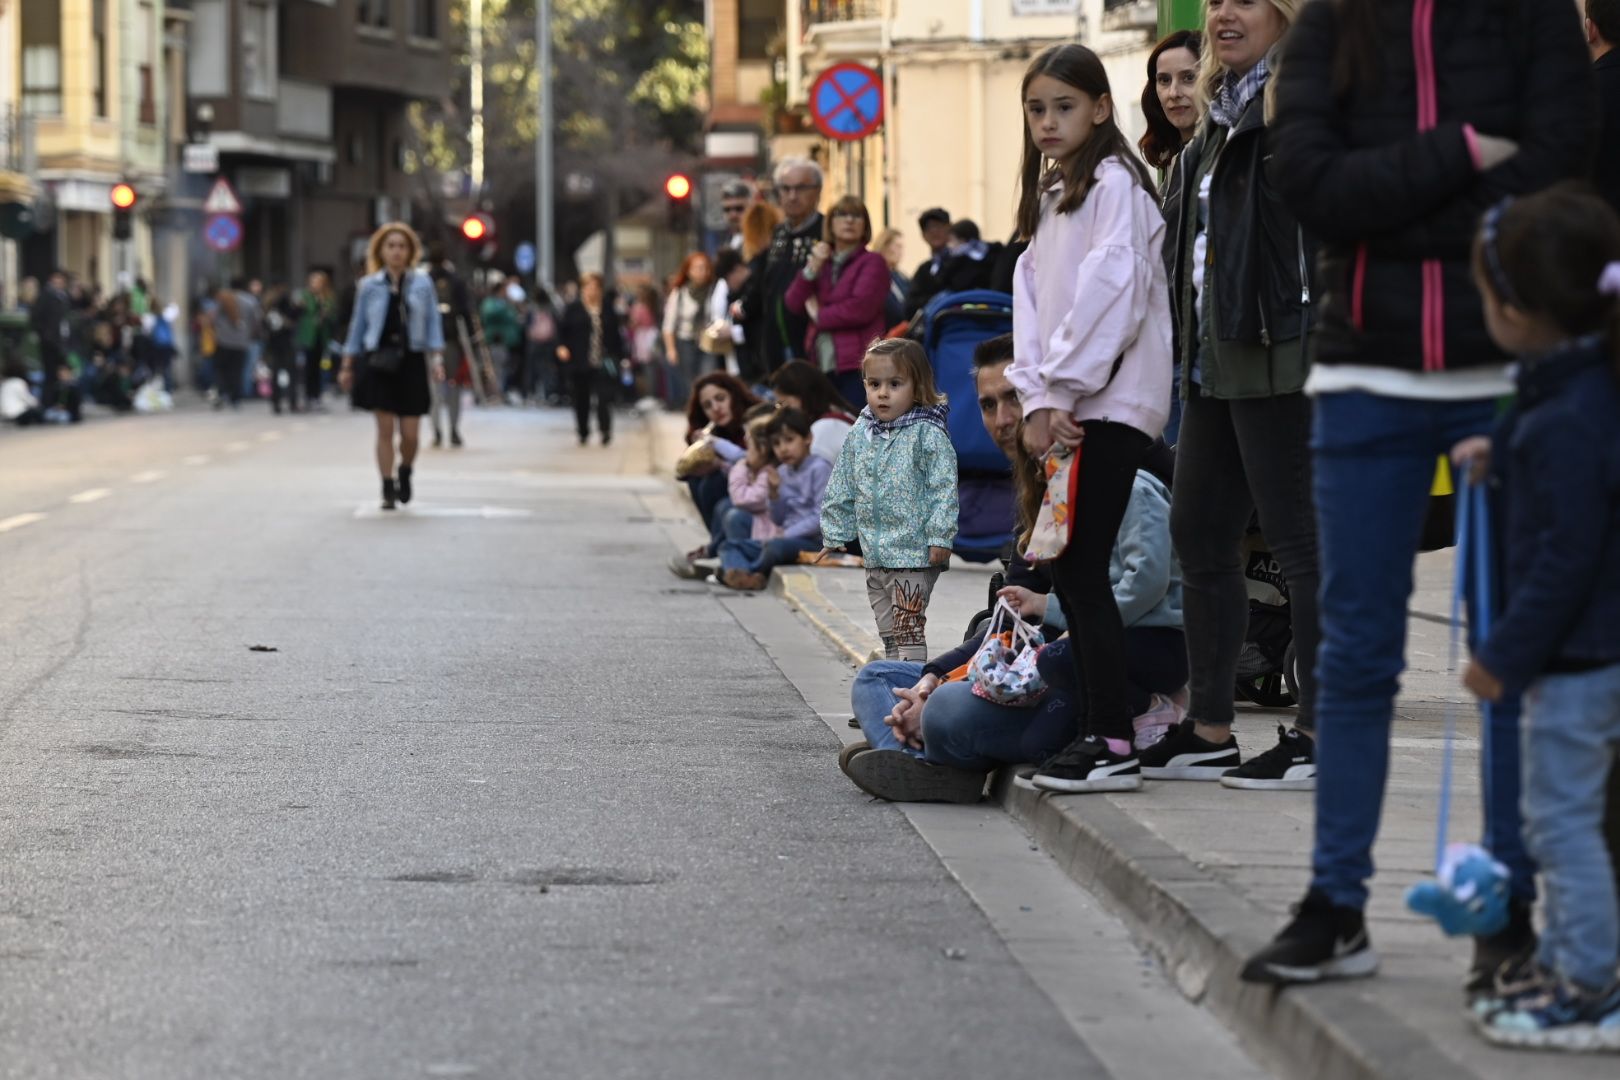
(317,325)
(894,491)
(841,291)
(1549,269)
(891,244)
(592,355)
(1091,319)
(395,344)
(235,329)
(735,198)
(281,330)
(1374,148)
(686,313)
(926,282)
(463,333)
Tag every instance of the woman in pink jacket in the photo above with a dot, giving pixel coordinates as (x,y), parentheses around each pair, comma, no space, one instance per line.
(842,289)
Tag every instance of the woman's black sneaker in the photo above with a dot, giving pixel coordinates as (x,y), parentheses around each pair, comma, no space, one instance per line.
(1325,941)
(1088,765)
(404,484)
(1288,766)
(389,491)
(1182,755)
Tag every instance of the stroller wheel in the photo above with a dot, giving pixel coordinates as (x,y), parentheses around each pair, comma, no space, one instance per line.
(1269,691)
(1290,671)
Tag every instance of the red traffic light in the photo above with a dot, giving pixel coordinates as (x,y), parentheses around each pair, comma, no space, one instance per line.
(678,186)
(475,228)
(123,196)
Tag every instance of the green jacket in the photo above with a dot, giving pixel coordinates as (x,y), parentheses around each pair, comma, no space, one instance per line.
(501,326)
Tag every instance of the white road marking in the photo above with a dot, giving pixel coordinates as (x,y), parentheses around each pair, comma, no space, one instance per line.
(237,447)
(148,477)
(269,436)
(93,495)
(196,459)
(17,521)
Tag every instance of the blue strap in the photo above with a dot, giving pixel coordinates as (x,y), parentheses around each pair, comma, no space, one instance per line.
(1473,551)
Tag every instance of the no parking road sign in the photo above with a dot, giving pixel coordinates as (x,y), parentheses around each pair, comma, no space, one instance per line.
(223,232)
(846,102)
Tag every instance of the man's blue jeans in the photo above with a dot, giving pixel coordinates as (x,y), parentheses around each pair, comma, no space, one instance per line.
(1374,461)
(1571,737)
(872,698)
(758,557)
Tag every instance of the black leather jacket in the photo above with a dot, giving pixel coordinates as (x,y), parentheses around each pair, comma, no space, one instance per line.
(1263,256)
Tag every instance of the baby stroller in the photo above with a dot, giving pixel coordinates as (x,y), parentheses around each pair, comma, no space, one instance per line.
(1265,672)
(951,327)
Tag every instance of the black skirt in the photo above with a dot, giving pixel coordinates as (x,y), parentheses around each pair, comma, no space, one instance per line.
(405,392)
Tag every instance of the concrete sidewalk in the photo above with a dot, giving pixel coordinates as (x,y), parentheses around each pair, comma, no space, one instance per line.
(1206,874)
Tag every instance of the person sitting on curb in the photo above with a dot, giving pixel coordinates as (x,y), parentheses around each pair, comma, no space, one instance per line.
(798,385)
(796,487)
(714,415)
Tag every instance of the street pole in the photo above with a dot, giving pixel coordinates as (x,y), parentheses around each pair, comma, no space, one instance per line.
(545,162)
(475,35)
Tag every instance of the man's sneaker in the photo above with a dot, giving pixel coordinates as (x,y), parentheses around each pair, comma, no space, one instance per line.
(684,566)
(1324,941)
(1288,766)
(1162,715)
(1503,961)
(1088,764)
(901,777)
(1562,1016)
(1182,755)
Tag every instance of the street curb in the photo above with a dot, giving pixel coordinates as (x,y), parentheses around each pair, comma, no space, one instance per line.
(1201,928)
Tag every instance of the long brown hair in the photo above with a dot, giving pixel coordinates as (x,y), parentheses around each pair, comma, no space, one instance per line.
(758,224)
(1079,67)
(742,399)
(1162,141)
(1029,488)
(683,276)
(910,359)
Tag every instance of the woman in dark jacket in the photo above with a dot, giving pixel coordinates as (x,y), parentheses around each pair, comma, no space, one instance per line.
(1242,288)
(590,354)
(1398,123)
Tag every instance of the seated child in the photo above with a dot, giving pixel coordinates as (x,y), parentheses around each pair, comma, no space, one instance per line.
(748,517)
(795,486)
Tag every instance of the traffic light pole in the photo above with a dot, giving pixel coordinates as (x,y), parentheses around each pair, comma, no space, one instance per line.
(545,161)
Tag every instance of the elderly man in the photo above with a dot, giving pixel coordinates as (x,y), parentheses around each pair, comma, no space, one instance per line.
(777,333)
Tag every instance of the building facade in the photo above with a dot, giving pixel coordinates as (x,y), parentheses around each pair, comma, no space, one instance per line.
(306,103)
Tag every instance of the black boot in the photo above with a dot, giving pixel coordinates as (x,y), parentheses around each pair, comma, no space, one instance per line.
(404,483)
(455,437)
(438,438)
(388,494)
(1508,948)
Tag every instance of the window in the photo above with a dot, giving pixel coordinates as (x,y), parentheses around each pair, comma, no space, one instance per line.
(98,52)
(758,21)
(208,59)
(258,51)
(42,57)
(373,13)
(424,18)
(146,60)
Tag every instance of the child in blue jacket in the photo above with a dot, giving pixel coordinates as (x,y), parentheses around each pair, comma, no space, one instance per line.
(1549,268)
(796,484)
(894,490)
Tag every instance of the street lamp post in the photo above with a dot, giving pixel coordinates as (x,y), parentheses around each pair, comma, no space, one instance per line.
(545,162)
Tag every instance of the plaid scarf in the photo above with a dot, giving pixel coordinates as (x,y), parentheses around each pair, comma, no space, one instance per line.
(921,414)
(1236,93)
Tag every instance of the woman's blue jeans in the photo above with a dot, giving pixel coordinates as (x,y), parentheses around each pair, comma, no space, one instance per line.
(1374,468)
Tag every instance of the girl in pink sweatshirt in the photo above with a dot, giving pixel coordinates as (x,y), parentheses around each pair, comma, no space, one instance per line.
(1091,331)
(749,481)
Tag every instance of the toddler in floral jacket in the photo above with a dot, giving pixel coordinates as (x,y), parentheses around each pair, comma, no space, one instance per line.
(894,490)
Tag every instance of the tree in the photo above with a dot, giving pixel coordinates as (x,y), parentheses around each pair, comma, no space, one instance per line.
(630,78)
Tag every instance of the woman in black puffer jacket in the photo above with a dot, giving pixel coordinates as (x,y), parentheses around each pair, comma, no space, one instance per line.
(1399,123)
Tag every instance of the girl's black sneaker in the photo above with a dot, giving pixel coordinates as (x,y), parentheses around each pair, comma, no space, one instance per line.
(404,484)
(1325,941)
(1088,765)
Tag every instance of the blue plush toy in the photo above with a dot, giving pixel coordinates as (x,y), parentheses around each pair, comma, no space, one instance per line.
(1471,895)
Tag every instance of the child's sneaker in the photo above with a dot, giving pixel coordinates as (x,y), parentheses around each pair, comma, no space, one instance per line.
(1162,715)
(1288,766)
(1182,755)
(1325,941)
(1560,1016)
(1089,764)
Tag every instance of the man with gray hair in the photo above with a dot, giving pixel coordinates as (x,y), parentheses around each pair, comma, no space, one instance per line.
(735,198)
(777,334)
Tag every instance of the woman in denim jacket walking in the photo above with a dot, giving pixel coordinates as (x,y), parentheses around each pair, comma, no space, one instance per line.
(397,332)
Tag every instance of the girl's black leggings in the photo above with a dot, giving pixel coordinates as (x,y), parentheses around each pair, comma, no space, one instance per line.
(1108,461)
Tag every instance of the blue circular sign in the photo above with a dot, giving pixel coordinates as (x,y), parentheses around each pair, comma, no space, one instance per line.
(523,257)
(223,232)
(846,102)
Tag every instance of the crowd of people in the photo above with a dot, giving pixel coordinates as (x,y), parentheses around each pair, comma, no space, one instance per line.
(1351,256)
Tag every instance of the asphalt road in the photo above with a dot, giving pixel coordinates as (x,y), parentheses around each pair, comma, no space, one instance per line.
(505,799)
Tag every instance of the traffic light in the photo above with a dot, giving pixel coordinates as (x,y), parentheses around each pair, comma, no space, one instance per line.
(478,230)
(123,201)
(678,202)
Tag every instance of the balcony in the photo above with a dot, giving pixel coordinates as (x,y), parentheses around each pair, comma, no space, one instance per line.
(817,12)
(1126,15)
